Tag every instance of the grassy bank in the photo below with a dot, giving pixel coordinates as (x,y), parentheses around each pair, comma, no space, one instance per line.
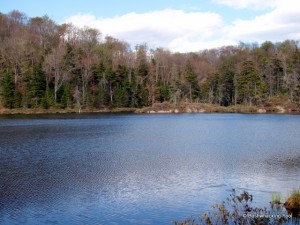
(4,111)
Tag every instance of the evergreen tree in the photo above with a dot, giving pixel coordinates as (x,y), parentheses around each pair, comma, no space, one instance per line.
(8,98)
(163,92)
(48,99)
(192,87)
(120,97)
(210,89)
(226,88)
(249,86)
(36,86)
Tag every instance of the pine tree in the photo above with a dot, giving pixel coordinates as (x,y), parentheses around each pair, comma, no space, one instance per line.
(192,87)
(226,84)
(250,88)
(36,86)
(8,97)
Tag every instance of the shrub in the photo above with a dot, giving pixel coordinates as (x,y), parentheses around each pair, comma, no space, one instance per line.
(292,204)
(237,209)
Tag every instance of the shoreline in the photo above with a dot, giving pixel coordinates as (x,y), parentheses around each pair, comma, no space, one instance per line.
(167,108)
(38,111)
(163,108)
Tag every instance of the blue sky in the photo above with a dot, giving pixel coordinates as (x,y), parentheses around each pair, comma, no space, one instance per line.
(174,24)
(61,10)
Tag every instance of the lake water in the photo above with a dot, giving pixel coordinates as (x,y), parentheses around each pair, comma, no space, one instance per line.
(140,169)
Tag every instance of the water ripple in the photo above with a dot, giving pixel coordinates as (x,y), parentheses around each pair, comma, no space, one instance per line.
(140,169)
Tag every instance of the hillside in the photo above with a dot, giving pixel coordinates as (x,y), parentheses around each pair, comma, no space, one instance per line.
(59,67)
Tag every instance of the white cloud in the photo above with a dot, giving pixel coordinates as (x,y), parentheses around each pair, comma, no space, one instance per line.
(173,29)
(280,24)
(254,4)
(183,31)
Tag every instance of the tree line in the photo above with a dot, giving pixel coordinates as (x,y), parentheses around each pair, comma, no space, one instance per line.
(44,64)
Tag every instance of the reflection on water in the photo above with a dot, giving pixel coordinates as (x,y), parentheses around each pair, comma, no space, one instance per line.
(140,169)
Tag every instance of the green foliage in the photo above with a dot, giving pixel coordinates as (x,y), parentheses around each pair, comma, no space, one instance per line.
(175,91)
(249,86)
(163,92)
(192,89)
(121,98)
(65,96)
(210,89)
(17,99)
(48,99)
(141,98)
(36,86)
(227,89)
(276,198)
(143,69)
(8,97)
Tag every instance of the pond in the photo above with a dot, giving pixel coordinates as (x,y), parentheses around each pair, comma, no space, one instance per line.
(140,169)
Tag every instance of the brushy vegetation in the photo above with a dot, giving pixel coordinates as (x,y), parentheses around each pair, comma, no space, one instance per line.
(276,201)
(296,195)
(276,198)
(237,209)
(292,204)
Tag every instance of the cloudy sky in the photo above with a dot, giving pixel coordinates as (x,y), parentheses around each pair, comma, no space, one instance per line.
(177,25)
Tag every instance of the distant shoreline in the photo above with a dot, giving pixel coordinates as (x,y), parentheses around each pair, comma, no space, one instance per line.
(164,108)
(63,111)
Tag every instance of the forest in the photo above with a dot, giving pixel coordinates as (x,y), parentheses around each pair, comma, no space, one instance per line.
(48,65)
